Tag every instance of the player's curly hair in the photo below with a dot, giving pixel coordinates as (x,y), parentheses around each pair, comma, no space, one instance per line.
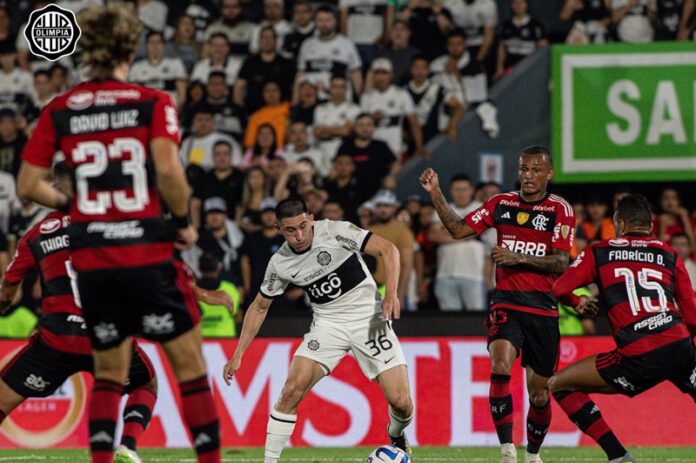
(109,37)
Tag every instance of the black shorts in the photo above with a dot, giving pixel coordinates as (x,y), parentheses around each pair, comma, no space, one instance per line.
(38,370)
(674,362)
(536,336)
(155,302)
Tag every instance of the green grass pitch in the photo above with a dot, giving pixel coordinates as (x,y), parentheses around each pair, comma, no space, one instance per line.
(357,455)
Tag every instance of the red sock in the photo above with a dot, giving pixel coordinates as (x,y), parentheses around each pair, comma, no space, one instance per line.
(103,413)
(201,418)
(501,406)
(584,413)
(538,422)
(136,415)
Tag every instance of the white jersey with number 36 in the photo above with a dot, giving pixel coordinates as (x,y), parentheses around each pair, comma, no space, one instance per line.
(331,271)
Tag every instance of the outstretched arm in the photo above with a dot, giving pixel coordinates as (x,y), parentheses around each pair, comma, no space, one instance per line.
(255,315)
(456,226)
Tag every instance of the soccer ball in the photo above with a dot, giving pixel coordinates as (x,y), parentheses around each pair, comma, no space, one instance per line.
(388,454)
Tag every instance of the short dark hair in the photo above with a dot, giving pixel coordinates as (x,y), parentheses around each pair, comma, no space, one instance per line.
(419,57)
(217,73)
(42,72)
(460,178)
(291,207)
(209,263)
(634,210)
(361,115)
(222,142)
(152,33)
(325,8)
(219,34)
(457,32)
(268,28)
(678,235)
(538,149)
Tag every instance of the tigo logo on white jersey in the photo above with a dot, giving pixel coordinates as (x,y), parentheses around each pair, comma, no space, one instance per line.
(525,247)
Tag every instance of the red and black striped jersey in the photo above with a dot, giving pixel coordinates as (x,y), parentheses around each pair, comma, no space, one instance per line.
(46,246)
(643,286)
(105,128)
(534,228)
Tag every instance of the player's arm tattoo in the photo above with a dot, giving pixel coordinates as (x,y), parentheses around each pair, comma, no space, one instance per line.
(456,226)
(555,263)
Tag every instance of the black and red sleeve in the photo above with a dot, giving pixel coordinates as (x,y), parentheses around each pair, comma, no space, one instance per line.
(581,273)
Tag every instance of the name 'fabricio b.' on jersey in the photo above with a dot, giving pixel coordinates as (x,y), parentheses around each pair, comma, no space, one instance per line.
(332,272)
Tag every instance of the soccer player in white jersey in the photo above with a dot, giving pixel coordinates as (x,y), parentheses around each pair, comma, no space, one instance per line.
(324,258)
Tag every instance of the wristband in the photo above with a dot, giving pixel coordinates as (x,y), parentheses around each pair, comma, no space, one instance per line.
(181,221)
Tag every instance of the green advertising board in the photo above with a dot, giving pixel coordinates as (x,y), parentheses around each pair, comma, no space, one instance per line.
(624,113)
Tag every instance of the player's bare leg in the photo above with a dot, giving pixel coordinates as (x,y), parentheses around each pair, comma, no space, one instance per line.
(110,373)
(394,383)
(503,355)
(539,415)
(570,388)
(303,375)
(185,354)
(9,400)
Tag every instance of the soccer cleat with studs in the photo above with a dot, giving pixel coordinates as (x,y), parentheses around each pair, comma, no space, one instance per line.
(532,458)
(125,455)
(508,453)
(400,442)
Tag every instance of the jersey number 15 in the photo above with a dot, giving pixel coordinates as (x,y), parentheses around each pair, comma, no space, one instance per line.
(646,284)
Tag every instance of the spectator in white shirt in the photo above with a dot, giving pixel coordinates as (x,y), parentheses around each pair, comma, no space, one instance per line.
(159,71)
(478,19)
(232,23)
(633,20)
(459,283)
(273,12)
(363,22)
(298,147)
(219,51)
(197,149)
(328,54)
(153,14)
(389,105)
(334,119)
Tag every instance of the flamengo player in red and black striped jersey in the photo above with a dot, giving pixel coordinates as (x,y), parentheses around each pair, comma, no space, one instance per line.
(535,234)
(646,291)
(61,347)
(121,141)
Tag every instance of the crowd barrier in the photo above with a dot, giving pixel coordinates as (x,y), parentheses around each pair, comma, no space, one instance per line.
(449,379)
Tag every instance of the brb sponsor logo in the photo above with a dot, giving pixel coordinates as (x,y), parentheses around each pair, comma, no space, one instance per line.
(525,247)
(47,421)
(52,32)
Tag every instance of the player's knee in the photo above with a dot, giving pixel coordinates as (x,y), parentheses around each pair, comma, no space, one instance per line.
(291,395)
(500,366)
(539,397)
(401,402)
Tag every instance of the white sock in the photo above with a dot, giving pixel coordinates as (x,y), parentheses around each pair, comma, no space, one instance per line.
(397,424)
(278,431)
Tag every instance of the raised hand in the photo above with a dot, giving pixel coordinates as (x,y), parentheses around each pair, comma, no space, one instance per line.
(429,180)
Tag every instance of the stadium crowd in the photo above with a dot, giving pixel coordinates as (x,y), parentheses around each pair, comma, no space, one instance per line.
(324,101)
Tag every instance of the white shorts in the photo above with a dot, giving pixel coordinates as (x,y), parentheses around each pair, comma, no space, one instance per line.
(372,341)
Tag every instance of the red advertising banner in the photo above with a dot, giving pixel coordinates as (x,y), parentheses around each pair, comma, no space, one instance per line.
(449,380)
